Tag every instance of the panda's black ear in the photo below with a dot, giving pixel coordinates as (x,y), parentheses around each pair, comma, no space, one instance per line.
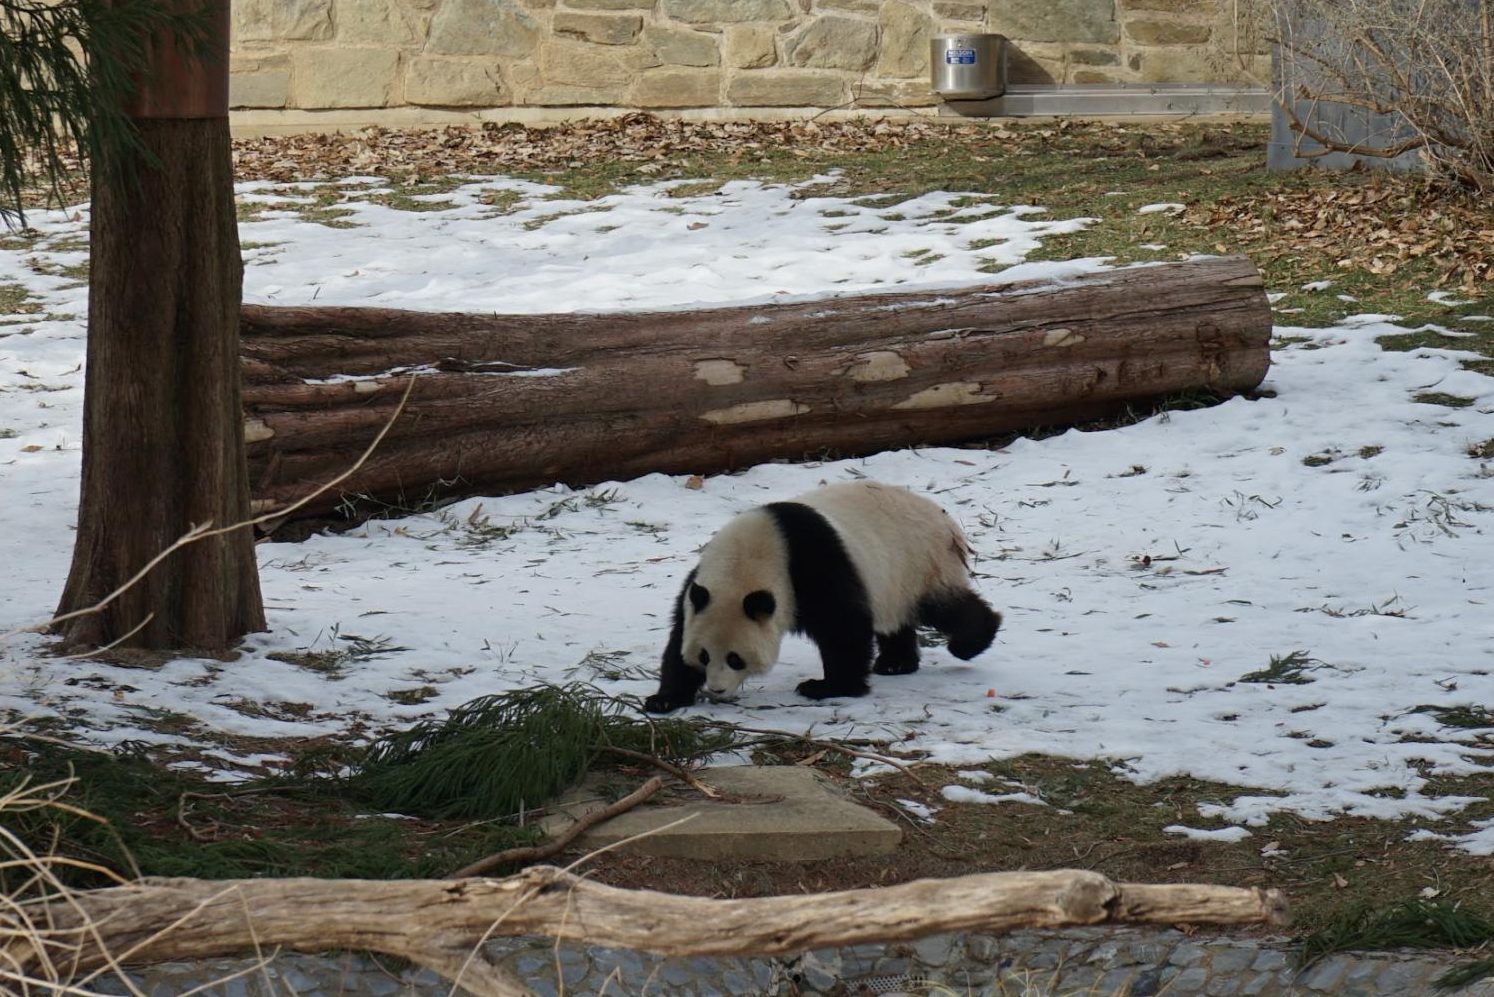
(759,605)
(700,596)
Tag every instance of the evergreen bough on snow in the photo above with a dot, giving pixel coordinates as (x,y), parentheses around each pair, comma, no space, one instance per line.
(498,755)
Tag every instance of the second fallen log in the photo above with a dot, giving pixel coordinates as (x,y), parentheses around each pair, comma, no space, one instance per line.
(512,402)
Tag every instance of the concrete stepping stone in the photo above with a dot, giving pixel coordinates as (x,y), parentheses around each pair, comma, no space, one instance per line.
(774,813)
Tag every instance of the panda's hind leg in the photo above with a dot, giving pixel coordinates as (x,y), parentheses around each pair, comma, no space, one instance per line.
(964,618)
(897,652)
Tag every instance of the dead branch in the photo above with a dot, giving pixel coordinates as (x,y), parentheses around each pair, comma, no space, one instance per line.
(438,923)
(534,853)
(683,776)
(1425,65)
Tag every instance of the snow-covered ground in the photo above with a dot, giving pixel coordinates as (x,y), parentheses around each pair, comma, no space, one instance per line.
(1143,571)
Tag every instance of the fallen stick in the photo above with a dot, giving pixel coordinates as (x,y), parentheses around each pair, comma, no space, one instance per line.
(533,853)
(440,923)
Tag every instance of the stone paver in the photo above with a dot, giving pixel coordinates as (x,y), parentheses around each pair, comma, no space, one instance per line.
(813,820)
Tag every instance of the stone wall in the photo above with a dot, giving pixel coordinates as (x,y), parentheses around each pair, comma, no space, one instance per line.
(474,54)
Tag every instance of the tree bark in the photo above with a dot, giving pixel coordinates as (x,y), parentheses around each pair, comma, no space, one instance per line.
(163,447)
(516,401)
(440,924)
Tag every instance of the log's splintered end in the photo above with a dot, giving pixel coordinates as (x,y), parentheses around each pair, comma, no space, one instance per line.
(1277,908)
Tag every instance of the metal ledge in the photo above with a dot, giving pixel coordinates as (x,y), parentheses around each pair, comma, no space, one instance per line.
(1121,99)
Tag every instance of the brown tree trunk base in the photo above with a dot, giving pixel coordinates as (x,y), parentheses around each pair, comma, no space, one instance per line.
(162,446)
(507,402)
(441,924)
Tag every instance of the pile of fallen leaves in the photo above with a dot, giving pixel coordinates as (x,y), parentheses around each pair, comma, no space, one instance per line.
(497,148)
(1377,225)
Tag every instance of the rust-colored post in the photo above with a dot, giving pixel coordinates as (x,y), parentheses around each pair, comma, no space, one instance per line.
(183,85)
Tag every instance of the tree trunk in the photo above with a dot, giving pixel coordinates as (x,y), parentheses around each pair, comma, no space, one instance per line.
(511,402)
(442,924)
(163,447)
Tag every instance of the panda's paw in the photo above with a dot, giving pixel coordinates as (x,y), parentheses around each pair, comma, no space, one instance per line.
(660,703)
(895,666)
(823,689)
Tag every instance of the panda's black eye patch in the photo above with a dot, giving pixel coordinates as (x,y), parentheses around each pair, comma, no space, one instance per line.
(759,605)
(700,597)
(705,657)
(735,661)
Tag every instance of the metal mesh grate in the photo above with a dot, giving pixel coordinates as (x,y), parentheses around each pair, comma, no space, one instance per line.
(886,986)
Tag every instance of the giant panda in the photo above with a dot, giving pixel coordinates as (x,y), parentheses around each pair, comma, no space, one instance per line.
(847,565)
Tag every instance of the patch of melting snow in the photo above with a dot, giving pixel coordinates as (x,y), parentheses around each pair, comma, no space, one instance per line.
(921,811)
(964,794)
(1228,835)
(1447,298)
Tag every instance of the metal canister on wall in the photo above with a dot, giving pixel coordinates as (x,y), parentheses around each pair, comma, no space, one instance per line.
(967,66)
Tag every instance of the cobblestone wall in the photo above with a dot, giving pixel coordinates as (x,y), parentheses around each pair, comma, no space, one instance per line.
(328,54)
(1081,962)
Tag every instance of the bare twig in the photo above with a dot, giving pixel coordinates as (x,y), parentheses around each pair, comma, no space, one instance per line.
(837,746)
(671,768)
(1428,66)
(535,853)
(204,531)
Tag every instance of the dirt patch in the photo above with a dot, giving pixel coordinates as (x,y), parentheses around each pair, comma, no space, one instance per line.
(1093,819)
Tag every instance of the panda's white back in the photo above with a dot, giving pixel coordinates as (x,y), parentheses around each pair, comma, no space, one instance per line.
(903,545)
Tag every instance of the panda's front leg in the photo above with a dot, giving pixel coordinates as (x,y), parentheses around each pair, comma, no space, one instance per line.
(845,651)
(678,682)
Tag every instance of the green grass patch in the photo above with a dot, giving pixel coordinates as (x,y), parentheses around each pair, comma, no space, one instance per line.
(16,300)
(75,272)
(697,188)
(1465,975)
(1471,717)
(155,821)
(460,785)
(23,240)
(412,697)
(346,649)
(1438,398)
(1417,924)
(504,202)
(330,217)
(1285,669)
(401,201)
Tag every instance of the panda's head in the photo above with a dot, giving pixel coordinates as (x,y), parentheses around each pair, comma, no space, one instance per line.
(730,632)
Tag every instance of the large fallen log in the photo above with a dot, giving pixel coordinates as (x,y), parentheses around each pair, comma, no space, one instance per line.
(506,402)
(441,924)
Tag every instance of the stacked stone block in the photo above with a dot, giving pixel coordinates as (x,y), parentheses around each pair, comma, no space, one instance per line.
(474,54)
